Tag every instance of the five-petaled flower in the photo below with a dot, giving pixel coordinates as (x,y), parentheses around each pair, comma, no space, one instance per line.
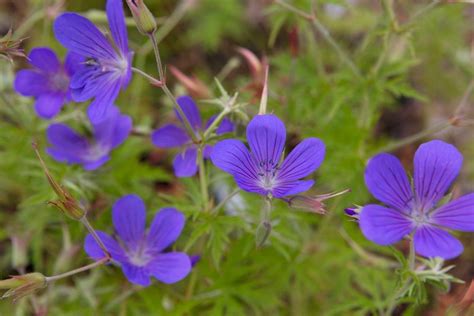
(107,66)
(436,165)
(70,147)
(140,253)
(263,171)
(171,135)
(48,81)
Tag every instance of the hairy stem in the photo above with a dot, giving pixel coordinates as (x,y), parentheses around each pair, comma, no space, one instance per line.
(96,237)
(215,124)
(168,25)
(395,299)
(152,80)
(167,91)
(225,200)
(321,29)
(454,120)
(79,270)
(203,178)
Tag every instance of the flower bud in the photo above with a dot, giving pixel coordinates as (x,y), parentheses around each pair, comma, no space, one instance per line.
(144,20)
(351,211)
(195,87)
(313,204)
(65,202)
(19,286)
(194,260)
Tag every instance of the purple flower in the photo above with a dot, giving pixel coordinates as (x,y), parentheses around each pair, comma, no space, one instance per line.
(48,81)
(436,165)
(140,253)
(171,135)
(107,68)
(262,170)
(70,147)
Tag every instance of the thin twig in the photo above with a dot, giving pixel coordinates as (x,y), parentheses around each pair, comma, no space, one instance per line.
(225,200)
(79,270)
(320,28)
(167,91)
(96,237)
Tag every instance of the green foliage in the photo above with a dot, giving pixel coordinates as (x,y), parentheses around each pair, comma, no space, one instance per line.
(311,264)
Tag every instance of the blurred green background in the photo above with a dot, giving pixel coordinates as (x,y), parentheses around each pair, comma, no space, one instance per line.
(387,71)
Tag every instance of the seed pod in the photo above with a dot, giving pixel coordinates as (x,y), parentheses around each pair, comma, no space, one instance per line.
(19,286)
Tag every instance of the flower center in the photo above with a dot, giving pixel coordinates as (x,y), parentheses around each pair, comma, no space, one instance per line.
(96,152)
(268,170)
(139,256)
(420,217)
(59,82)
(119,65)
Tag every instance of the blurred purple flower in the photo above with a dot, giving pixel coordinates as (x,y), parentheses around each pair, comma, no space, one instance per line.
(262,170)
(107,68)
(68,146)
(140,253)
(436,165)
(171,135)
(48,81)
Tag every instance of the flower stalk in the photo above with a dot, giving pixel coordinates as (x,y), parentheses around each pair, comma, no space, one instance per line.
(78,270)
(265,227)
(203,178)
(167,91)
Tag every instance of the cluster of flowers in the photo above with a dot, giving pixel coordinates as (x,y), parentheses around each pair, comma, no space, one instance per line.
(98,68)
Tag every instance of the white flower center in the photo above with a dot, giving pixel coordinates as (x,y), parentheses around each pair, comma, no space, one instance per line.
(139,256)
(268,171)
(96,152)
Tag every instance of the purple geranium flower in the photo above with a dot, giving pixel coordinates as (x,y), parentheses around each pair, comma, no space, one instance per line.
(48,82)
(436,165)
(70,147)
(140,253)
(263,170)
(171,135)
(107,68)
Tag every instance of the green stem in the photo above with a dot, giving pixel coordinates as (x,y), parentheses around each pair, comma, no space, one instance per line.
(410,139)
(168,25)
(225,200)
(152,80)
(215,124)
(394,301)
(94,235)
(412,255)
(29,23)
(203,178)
(265,227)
(167,91)
(342,55)
(417,15)
(79,270)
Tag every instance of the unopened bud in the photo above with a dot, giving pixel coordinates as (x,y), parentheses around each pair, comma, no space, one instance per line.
(314,204)
(19,286)
(144,20)
(195,87)
(353,212)
(194,260)
(65,202)
(255,65)
(263,231)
